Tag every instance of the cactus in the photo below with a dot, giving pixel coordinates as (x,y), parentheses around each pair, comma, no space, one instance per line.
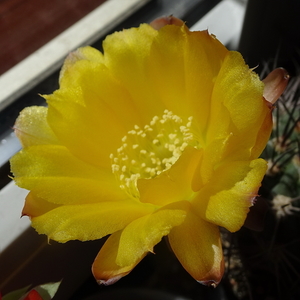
(283,153)
(266,264)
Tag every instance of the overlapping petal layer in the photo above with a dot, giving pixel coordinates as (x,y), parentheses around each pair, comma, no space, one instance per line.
(86,110)
(210,122)
(53,173)
(151,70)
(88,221)
(225,201)
(105,269)
(141,235)
(124,250)
(238,94)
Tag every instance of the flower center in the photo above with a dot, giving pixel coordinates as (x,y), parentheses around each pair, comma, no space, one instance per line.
(149,151)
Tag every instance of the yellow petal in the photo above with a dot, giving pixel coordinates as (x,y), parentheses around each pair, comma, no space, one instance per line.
(225,201)
(212,156)
(91,105)
(88,221)
(196,243)
(54,174)
(237,105)
(173,185)
(128,61)
(141,235)
(31,127)
(84,53)
(105,269)
(94,108)
(189,61)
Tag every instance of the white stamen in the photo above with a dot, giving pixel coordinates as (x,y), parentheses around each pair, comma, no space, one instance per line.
(146,153)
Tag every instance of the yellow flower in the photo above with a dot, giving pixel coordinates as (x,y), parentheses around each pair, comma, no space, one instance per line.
(159,136)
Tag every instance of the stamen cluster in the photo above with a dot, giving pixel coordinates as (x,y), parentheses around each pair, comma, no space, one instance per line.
(147,152)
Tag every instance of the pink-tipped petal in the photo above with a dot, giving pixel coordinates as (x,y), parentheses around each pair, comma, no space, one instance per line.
(163,21)
(275,84)
(196,243)
(105,269)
